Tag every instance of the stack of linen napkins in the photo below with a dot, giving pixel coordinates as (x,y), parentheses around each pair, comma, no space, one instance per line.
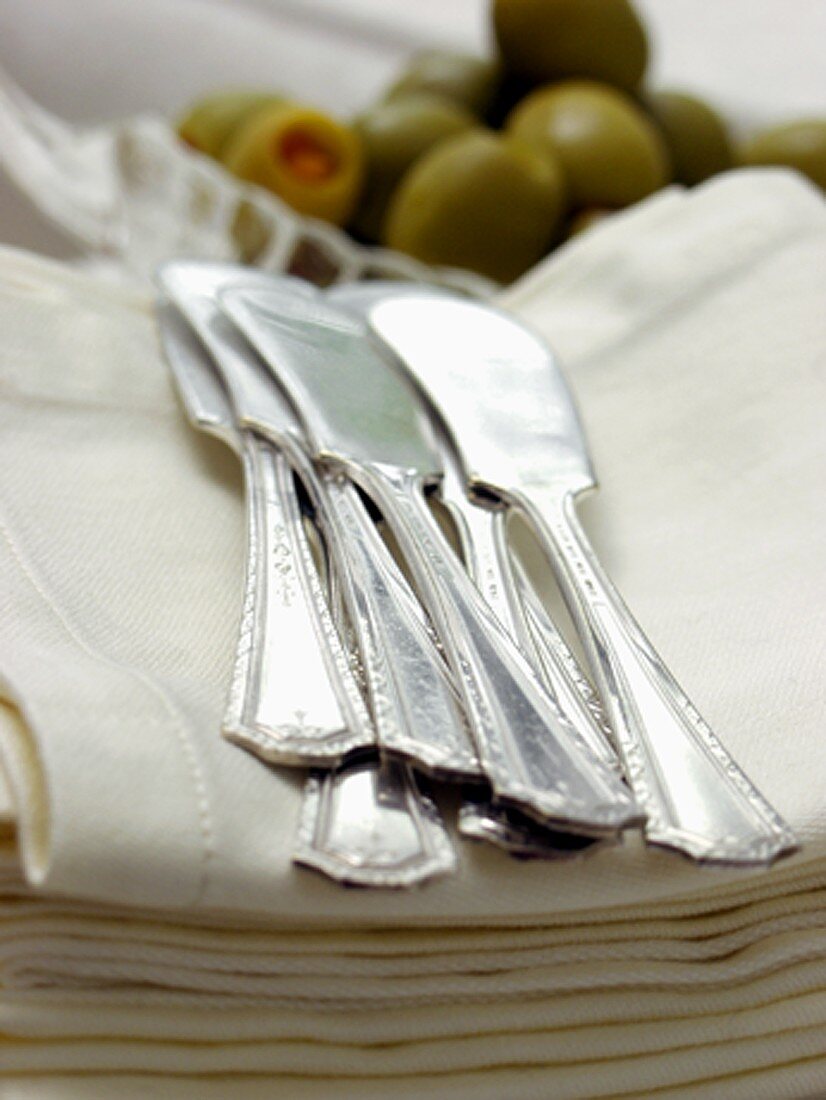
(155,939)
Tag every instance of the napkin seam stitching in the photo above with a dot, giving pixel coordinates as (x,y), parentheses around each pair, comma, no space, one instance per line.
(184,740)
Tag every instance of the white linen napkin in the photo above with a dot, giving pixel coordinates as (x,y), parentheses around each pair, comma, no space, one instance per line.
(154,869)
(689,332)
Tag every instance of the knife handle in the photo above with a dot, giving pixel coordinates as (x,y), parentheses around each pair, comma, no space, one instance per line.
(483,538)
(545,634)
(697,799)
(293,698)
(530,752)
(367,823)
(482,535)
(414,702)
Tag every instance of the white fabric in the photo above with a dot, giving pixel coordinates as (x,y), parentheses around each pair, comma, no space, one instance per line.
(122,560)
(153,923)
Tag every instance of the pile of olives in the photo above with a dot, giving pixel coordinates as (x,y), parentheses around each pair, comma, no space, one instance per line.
(488,163)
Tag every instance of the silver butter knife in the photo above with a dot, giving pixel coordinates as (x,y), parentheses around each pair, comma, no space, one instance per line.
(520,439)
(413,700)
(482,538)
(365,822)
(361,417)
(482,534)
(293,696)
(368,823)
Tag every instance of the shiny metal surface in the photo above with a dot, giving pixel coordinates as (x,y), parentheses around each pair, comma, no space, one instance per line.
(545,633)
(374,429)
(367,823)
(364,823)
(519,836)
(258,405)
(353,409)
(201,393)
(503,584)
(519,437)
(496,385)
(482,534)
(293,697)
(411,699)
(482,538)
(416,706)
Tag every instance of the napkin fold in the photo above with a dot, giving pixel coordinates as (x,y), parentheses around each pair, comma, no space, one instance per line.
(145,871)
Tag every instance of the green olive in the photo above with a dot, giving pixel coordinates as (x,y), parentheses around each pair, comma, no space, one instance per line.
(209,124)
(311,161)
(394,135)
(469,81)
(552,39)
(480,201)
(611,153)
(800,145)
(695,135)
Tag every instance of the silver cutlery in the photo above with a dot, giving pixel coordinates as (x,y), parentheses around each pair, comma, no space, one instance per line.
(519,439)
(293,696)
(482,534)
(365,822)
(482,538)
(413,700)
(363,419)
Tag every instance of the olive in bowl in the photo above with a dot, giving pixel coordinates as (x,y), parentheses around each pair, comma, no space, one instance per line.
(481,201)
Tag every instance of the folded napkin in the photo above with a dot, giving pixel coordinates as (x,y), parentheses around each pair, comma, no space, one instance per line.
(150,919)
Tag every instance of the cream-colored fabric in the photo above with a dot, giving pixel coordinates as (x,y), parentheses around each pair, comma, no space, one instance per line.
(153,922)
(691,333)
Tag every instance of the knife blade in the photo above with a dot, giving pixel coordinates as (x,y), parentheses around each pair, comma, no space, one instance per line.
(520,439)
(413,701)
(362,418)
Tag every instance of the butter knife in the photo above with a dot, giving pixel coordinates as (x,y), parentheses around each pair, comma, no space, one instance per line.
(520,440)
(362,418)
(364,822)
(414,704)
(293,697)
(482,538)
(367,822)
(482,534)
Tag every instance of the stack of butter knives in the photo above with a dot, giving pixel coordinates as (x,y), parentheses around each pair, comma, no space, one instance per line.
(388,657)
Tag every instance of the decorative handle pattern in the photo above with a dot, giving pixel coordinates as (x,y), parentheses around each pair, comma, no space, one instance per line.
(414,702)
(697,799)
(367,823)
(529,750)
(546,635)
(293,696)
